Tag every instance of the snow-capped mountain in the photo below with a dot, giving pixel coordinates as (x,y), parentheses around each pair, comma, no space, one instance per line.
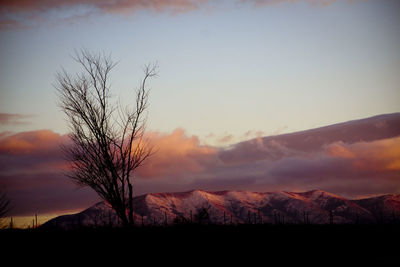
(313,207)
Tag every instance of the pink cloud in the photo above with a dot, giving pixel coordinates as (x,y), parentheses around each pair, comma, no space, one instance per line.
(124,6)
(317,3)
(23,13)
(353,158)
(32,166)
(44,5)
(176,154)
(350,159)
(27,11)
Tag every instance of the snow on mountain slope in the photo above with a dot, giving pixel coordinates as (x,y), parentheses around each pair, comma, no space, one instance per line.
(315,207)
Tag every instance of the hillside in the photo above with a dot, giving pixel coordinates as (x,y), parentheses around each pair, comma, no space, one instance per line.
(242,207)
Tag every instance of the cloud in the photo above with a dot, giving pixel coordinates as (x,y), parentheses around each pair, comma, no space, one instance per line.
(267,164)
(381,155)
(177,154)
(12,119)
(352,169)
(225,139)
(254,150)
(31,171)
(20,13)
(104,5)
(16,14)
(31,142)
(252,133)
(31,151)
(31,165)
(355,169)
(317,3)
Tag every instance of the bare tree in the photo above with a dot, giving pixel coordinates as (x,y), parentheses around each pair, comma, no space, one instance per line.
(108,142)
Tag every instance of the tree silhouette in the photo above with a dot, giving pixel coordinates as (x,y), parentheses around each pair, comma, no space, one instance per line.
(107,139)
(203,215)
(4,204)
(4,207)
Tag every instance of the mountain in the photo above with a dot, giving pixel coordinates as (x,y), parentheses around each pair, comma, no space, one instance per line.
(313,207)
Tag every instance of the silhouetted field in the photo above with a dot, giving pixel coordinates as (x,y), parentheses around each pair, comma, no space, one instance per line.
(312,244)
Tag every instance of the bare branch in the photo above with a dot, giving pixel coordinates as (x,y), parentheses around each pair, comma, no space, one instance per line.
(107,141)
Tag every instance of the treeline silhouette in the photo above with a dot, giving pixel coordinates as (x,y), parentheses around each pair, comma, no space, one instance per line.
(203,216)
(194,235)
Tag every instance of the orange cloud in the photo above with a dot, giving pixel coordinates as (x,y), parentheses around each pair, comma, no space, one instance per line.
(31,142)
(381,155)
(32,152)
(176,154)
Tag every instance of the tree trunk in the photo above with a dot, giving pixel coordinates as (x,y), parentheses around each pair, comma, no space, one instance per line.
(121,214)
(130,205)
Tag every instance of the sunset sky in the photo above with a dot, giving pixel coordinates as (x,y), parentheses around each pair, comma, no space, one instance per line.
(229,71)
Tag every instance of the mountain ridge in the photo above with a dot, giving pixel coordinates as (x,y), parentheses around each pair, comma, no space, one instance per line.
(240,207)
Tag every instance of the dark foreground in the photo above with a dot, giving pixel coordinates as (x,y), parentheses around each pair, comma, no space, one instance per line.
(316,245)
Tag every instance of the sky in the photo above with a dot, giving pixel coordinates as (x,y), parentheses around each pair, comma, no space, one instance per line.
(229,71)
